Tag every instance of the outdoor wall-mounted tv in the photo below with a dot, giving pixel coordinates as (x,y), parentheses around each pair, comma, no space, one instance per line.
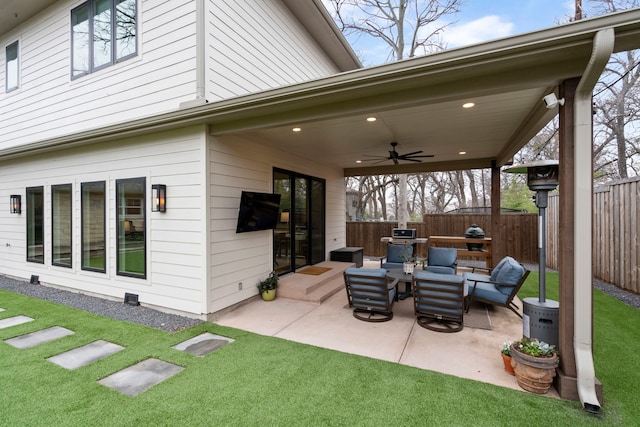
(258,211)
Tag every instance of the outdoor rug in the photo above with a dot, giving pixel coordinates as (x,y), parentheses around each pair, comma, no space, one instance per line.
(315,271)
(477,317)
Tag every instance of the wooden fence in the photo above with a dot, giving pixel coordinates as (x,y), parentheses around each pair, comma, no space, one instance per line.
(521,232)
(616,218)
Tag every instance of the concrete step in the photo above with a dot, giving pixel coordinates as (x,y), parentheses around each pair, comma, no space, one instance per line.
(305,287)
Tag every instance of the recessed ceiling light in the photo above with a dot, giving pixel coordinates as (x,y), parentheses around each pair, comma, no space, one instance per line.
(358,161)
(296,129)
(468,105)
(462,153)
(371,119)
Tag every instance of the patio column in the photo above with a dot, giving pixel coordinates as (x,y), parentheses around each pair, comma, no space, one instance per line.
(566,378)
(497,234)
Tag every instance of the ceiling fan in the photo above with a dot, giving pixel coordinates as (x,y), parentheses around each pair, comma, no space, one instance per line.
(396,157)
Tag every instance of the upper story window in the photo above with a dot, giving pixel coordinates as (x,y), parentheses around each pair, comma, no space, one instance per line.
(103,32)
(12,69)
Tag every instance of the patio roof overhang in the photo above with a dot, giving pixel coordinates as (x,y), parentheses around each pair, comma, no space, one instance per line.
(417,102)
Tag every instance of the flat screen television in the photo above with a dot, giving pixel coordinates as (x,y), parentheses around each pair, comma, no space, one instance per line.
(258,211)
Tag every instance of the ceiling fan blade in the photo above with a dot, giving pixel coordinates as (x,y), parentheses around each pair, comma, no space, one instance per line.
(411,154)
(395,160)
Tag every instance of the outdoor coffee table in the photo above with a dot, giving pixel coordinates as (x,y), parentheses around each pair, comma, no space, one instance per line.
(398,273)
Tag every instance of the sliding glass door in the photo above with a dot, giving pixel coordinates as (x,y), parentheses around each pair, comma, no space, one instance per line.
(299,237)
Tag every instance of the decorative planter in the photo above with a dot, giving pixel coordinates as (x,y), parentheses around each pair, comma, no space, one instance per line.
(408,267)
(269,295)
(507,364)
(534,374)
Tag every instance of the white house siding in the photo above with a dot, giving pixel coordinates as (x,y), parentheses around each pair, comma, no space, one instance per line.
(50,104)
(239,164)
(258,45)
(176,249)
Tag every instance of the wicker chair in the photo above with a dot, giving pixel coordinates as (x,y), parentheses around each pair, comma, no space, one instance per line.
(438,301)
(371,293)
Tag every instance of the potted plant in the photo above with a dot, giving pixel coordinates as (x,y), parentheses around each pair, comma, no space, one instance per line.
(409,263)
(268,286)
(534,363)
(506,358)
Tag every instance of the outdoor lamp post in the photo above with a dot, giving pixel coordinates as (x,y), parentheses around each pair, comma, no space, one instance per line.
(541,316)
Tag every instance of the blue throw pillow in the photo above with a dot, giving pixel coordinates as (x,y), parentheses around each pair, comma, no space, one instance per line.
(497,268)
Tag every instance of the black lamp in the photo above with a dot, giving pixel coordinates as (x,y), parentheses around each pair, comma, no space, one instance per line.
(158,198)
(15,204)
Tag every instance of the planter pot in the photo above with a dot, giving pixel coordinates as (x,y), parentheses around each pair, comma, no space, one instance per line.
(507,364)
(408,267)
(269,295)
(534,374)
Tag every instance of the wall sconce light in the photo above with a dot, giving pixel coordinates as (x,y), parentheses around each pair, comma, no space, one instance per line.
(158,198)
(284,217)
(15,204)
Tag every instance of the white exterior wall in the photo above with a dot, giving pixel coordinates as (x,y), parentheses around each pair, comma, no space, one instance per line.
(176,246)
(49,104)
(258,45)
(238,164)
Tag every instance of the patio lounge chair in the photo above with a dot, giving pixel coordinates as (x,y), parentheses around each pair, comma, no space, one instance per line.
(498,289)
(397,254)
(442,260)
(371,293)
(438,301)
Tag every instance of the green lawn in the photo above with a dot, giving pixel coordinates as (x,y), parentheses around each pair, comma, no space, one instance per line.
(268,381)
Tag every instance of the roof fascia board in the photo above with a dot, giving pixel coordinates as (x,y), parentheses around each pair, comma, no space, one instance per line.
(317,21)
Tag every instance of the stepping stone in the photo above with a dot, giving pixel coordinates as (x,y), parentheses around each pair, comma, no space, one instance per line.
(141,376)
(1,309)
(203,344)
(39,337)
(85,355)
(14,321)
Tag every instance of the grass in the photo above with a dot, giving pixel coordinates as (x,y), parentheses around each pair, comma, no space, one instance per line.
(268,381)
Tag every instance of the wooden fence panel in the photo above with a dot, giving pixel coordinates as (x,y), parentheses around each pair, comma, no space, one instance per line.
(521,232)
(616,218)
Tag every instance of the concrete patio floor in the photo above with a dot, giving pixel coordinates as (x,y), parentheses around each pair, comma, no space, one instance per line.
(471,353)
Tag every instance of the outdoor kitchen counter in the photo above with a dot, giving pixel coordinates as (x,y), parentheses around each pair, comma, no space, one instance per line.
(449,241)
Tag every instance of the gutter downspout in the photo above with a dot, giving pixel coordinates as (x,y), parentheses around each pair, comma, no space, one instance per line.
(200,57)
(583,242)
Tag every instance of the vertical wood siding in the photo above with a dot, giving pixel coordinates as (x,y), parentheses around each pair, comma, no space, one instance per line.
(616,218)
(175,250)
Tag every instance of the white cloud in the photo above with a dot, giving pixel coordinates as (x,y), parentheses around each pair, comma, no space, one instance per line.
(477,31)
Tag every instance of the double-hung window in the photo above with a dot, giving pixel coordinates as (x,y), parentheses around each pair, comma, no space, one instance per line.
(12,69)
(103,32)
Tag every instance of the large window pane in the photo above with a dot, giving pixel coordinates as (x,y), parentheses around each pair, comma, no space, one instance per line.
(93,226)
(12,68)
(130,200)
(101,33)
(61,225)
(125,28)
(35,224)
(80,40)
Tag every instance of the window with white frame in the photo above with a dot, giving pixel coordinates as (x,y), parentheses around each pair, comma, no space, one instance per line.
(12,70)
(103,33)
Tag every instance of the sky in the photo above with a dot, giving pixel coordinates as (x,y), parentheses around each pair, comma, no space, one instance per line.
(482,20)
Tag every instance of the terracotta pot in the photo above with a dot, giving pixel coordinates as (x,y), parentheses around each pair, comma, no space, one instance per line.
(507,364)
(534,374)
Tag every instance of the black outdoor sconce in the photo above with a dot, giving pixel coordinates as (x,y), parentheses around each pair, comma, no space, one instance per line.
(15,204)
(158,198)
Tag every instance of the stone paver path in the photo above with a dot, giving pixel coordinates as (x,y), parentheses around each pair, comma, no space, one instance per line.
(14,321)
(39,337)
(141,376)
(81,356)
(203,344)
